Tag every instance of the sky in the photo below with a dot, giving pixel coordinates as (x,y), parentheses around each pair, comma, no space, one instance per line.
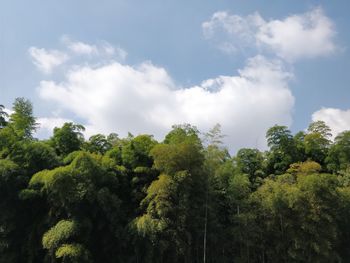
(141,66)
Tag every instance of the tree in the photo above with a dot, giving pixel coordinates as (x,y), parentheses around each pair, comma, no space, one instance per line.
(181,150)
(22,120)
(84,195)
(136,152)
(251,163)
(339,153)
(215,155)
(184,132)
(317,208)
(321,128)
(39,156)
(308,167)
(68,138)
(182,186)
(8,141)
(214,136)
(317,141)
(113,139)
(296,217)
(344,218)
(3,117)
(11,181)
(185,199)
(164,221)
(98,144)
(299,141)
(282,149)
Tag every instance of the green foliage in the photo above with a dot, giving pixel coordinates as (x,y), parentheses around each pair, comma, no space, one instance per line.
(13,211)
(283,150)
(68,138)
(22,120)
(8,141)
(321,128)
(278,137)
(60,233)
(181,151)
(98,144)
(39,156)
(339,153)
(299,141)
(172,158)
(55,240)
(293,213)
(214,154)
(136,152)
(114,155)
(251,162)
(3,117)
(73,253)
(317,141)
(112,199)
(159,206)
(308,167)
(70,157)
(181,133)
(239,188)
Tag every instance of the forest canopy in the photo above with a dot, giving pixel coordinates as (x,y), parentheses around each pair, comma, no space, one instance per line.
(183,199)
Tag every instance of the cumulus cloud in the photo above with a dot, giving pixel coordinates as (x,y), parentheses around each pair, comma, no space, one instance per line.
(82,48)
(144,99)
(47,60)
(338,120)
(102,49)
(299,36)
(47,124)
(232,33)
(74,51)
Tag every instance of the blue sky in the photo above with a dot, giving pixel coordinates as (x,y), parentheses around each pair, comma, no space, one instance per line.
(291,68)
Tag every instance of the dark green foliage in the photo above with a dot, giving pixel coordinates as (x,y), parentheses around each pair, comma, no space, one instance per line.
(135,152)
(68,138)
(39,156)
(98,144)
(317,141)
(339,153)
(112,199)
(251,162)
(283,150)
(3,117)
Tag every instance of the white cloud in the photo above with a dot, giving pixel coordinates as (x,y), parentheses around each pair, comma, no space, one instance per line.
(232,32)
(8,111)
(296,37)
(144,99)
(82,48)
(299,36)
(103,49)
(47,124)
(338,120)
(110,50)
(47,60)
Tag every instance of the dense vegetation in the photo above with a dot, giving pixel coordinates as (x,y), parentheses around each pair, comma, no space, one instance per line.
(185,199)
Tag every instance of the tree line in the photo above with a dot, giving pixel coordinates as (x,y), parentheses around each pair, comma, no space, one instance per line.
(183,199)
